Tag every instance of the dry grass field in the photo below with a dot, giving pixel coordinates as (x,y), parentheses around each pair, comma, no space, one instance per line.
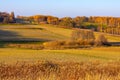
(95,63)
(84,64)
(45,70)
(72,55)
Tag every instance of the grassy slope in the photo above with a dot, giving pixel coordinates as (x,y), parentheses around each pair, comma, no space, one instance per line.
(103,54)
(41,32)
(111,38)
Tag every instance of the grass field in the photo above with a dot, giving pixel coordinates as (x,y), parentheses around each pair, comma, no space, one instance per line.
(102,54)
(33,32)
(94,63)
(49,32)
(110,37)
(83,64)
(40,33)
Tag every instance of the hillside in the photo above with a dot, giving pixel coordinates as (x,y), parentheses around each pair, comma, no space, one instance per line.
(33,32)
(40,33)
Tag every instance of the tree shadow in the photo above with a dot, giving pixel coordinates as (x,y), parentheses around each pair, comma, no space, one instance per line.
(7,37)
(115,43)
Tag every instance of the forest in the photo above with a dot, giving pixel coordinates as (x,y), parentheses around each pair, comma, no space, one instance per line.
(106,24)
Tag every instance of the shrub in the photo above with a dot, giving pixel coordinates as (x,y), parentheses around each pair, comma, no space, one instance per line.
(82,34)
(101,40)
(85,42)
(53,45)
(68,44)
(26,46)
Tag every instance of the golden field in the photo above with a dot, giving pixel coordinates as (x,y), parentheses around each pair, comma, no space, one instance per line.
(94,63)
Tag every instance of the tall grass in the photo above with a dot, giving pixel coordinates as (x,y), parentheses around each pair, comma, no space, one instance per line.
(44,70)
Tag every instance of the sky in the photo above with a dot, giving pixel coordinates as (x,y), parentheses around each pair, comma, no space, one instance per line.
(62,8)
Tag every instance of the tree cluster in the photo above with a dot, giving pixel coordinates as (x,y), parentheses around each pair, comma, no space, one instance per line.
(88,37)
(7,18)
(81,34)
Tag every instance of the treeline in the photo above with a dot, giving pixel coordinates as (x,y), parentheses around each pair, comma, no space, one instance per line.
(102,24)
(7,18)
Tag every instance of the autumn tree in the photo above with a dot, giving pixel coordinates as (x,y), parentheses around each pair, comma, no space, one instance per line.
(12,17)
(52,20)
(82,34)
(6,20)
(77,21)
(36,18)
(101,40)
(66,22)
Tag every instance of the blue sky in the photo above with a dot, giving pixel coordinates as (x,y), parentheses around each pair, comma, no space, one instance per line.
(62,8)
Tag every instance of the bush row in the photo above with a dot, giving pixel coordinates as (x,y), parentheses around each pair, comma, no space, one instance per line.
(66,44)
(26,46)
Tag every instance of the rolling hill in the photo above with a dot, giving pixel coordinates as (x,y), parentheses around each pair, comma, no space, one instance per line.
(40,33)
